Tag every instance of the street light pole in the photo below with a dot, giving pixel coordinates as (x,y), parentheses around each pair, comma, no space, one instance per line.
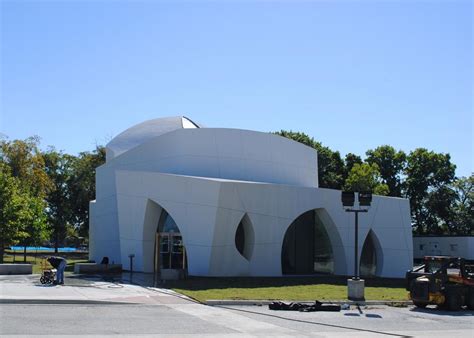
(356,241)
(355,287)
(356,247)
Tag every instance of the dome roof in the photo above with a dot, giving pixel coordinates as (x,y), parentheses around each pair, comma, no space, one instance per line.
(145,131)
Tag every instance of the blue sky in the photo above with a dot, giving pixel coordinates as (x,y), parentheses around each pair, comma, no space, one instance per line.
(352,74)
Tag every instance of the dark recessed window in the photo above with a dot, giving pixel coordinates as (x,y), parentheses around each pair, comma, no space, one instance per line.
(306,246)
(244,237)
(240,238)
(368,257)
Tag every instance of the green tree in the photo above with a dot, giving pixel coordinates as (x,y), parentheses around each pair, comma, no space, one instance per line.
(12,210)
(298,137)
(349,162)
(428,177)
(330,163)
(36,229)
(391,164)
(463,207)
(366,177)
(27,164)
(59,168)
(82,187)
(72,237)
(439,206)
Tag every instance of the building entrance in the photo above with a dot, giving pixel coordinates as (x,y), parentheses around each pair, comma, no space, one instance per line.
(170,253)
(306,247)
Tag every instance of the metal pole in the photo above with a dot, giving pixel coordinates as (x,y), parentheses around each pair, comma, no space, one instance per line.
(170,241)
(356,251)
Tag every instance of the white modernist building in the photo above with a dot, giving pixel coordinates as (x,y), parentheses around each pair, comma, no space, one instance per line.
(455,246)
(229,202)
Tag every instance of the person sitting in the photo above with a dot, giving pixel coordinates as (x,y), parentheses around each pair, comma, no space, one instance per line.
(59,264)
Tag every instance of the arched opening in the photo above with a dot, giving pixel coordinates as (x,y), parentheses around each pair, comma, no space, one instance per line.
(306,247)
(370,258)
(244,237)
(170,253)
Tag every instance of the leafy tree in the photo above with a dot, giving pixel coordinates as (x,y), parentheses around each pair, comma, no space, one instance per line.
(59,168)
(330,164)
(439,205)
(36,229)
(72,237)
(27,164)
(391,164)
(349,162)
(463,207)
(365,177)
(12,210)
(82,187)
(298,137)
(330,168)
(428,176)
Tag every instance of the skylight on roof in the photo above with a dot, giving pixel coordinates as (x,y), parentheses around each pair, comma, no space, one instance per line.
(187,123)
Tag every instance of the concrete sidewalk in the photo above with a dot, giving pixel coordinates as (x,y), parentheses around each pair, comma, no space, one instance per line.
(123,288)
(28,289)
(94,306)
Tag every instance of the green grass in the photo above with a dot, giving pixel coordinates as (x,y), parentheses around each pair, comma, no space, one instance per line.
(286,288)
(39,260)
(273,288)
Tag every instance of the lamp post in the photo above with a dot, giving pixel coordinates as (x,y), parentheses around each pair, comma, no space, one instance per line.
(131,256)
(355,286)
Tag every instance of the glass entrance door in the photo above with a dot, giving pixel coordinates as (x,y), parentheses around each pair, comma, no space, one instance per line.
(172,254)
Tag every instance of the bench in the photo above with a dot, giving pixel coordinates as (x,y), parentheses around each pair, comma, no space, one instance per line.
(16,269)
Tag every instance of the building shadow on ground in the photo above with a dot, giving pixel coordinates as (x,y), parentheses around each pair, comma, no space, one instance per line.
(205,283)
(434,310)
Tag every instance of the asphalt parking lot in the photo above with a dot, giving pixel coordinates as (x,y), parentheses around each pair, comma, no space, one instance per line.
(94,307)
(369,321)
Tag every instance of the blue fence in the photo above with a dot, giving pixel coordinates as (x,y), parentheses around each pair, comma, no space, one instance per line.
(42,248)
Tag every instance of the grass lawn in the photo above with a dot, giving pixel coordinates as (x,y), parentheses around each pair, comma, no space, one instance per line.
(39,259)
(253,288)
(286,288)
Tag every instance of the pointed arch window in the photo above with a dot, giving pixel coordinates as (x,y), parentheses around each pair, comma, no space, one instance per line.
(369,263)
(244,237)
(167,223)
(307,248)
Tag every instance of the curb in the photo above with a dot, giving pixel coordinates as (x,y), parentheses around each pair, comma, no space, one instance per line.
(61,301)
(218,302)
(211,302)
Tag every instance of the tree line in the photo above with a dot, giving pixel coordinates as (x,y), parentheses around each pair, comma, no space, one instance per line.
(44,195)
(440,202)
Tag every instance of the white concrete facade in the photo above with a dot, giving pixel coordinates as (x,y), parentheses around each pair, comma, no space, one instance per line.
(211,179)
(455,246)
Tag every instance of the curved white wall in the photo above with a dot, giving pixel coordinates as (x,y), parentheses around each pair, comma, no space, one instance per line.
(225,153)
(145,131)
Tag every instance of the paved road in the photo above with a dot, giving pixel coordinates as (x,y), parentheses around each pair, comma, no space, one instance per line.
(142,320)
(88,307)
(370,321)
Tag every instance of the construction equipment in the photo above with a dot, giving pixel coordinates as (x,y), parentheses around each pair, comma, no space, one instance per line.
(445,281)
